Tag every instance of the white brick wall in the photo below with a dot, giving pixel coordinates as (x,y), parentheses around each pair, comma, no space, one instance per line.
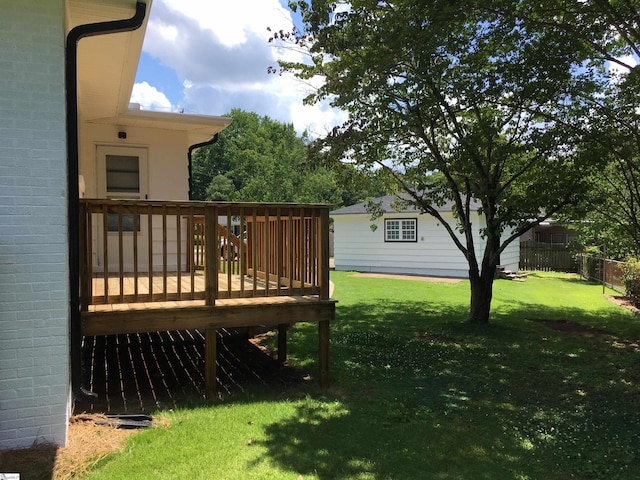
(34,292)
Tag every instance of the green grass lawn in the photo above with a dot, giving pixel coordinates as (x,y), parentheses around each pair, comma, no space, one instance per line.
(417,393)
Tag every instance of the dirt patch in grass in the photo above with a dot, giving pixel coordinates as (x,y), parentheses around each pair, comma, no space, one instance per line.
(86,444)
(408,277)
(623,302)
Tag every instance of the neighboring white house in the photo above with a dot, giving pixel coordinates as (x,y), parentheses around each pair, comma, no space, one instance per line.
(405,242)
(122,152)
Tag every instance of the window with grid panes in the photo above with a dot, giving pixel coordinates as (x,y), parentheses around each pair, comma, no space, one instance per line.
(401,230)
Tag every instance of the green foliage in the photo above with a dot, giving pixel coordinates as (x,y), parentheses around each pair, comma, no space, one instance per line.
(458,101)
(610,213)
(412,383)
(611,119)
(631,279)
(257,159)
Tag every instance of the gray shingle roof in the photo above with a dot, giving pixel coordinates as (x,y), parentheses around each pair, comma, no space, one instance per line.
(386,205)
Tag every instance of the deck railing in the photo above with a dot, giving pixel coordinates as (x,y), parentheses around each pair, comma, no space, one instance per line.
(150,251)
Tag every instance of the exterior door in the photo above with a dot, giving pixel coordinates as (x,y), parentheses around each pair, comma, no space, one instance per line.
(123,174)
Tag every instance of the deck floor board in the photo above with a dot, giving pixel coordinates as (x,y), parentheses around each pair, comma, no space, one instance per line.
(237,287)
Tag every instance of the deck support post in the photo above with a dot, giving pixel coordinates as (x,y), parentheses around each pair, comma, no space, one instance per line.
(323,353)
(211,254)
(282,342)
(210,368)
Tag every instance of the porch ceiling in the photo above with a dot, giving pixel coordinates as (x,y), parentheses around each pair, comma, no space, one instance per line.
(198,127)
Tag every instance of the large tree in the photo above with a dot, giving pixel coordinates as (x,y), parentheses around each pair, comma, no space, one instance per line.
(610,214)
(259,159)
(610,31)
(456,101)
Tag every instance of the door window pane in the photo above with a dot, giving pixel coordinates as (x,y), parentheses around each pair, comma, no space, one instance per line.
(123,174)
(123,177)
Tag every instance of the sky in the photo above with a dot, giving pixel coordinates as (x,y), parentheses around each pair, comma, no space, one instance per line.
(209,56)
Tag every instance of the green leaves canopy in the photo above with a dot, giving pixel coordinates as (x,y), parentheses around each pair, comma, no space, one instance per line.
(258,159)
(458,100)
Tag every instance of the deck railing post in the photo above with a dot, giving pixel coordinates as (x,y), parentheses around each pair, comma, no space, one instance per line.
(85,257)
(324,254)
(211,255)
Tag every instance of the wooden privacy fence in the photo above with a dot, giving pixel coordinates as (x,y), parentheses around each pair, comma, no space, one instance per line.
(546,257)
(146,251)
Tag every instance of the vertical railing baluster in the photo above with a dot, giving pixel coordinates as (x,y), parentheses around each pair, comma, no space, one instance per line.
(164,252)
(136,226)
(191,253)
(266,251)
(313,257)
(279,247)
(229,253)
(241,250)
(291,256)
(105,251)
(254,248)
(150,246)
(303,250)
(120,254)
(179,252)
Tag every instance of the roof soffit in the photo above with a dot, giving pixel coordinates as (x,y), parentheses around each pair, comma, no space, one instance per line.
(107,64)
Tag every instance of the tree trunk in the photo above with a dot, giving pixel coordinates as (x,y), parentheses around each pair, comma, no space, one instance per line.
(481,293)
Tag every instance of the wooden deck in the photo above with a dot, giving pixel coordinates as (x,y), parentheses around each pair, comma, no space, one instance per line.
(164,316)
(275,276)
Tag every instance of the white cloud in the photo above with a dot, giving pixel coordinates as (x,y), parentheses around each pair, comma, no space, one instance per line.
(233,22)
(629,60)
(150,97)
(220,52)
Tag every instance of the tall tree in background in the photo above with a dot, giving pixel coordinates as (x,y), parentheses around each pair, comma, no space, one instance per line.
(257,159)
(611,212)
(610,32)
(456,101)
(263,160)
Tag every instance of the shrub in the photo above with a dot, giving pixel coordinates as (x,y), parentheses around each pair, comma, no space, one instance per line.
(631,280)
(590,261)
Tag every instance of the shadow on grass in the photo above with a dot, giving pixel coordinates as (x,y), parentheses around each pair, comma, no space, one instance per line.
(419,393)
(35,463)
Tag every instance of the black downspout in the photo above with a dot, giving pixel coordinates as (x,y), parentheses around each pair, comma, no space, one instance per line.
(73,154)
(211,141)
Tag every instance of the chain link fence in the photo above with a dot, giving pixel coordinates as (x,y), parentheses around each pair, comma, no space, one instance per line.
(602,270)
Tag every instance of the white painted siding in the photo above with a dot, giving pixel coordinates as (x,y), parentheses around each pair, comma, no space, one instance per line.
(34,291)
(168,174)
(359,248)
(510,257)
